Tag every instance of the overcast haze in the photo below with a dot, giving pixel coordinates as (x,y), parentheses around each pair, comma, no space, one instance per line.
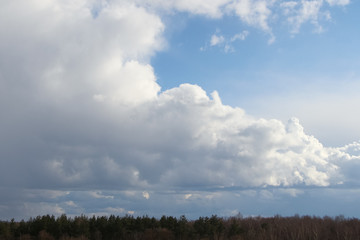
(179,107)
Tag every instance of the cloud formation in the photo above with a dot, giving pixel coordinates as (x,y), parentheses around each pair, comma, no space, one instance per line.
(256,13)
(81,110)
(222,42)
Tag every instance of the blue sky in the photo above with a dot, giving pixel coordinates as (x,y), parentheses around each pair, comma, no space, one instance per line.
(301,64)
(179,107)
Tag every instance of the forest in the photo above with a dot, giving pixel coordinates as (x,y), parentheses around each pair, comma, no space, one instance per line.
(215,228)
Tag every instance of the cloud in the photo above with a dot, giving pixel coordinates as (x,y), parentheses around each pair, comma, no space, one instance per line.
(240,36)
(82,111)
(233,149)
(146,195)
(71,42)
(261,14)
(212,9)
(200,143)
(297,13)
(115,210)
(254,13)
(91,108)
(187,196)
(98,107)
(99,195)
(46,194)
(338,2)
(216,40)
(71,203)
(36,209)
(226,44)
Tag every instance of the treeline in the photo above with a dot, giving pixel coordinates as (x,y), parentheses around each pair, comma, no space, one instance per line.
(128,227)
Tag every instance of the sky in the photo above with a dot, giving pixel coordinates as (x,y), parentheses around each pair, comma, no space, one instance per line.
(177,107)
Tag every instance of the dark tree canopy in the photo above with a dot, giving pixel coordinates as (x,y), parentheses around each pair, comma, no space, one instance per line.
(167,227)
